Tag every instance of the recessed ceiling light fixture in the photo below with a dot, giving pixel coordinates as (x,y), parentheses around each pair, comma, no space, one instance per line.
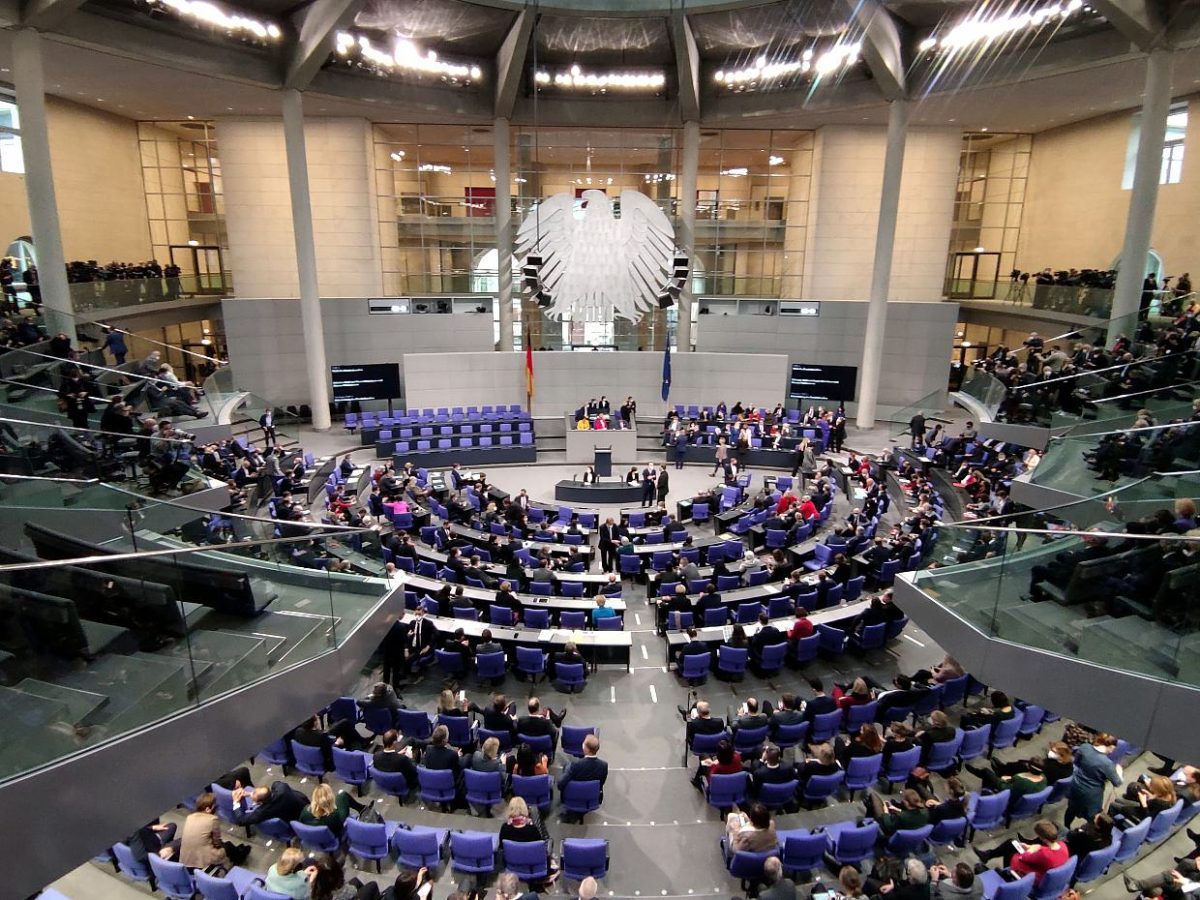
(763,71)
(405,56)
(596,82)
(205,12)
(983,28)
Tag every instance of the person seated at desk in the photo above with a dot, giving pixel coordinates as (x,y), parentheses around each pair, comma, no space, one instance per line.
(693,647)
(569,655)
(487,644)
(538,722)
(575,561)
(543,574)
(750,716)
(612,585)
(766,636)
(461,602)
(786,713)
(601,611)
(395,756)
(708,599)
(769,768)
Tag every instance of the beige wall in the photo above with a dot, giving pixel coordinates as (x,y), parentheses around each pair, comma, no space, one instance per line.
(98,183)
(1075,207)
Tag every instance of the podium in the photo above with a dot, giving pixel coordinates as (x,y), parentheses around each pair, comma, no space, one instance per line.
(603,462)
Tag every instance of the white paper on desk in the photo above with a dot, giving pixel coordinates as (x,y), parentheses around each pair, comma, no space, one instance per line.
(545,635)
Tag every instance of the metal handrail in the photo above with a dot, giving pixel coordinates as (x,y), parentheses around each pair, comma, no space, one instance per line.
(1136,362)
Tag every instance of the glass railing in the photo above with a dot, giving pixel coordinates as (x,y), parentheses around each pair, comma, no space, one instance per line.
(1091,415)
(1075,583)
(141,609)
(931,406)
(1087,465)
(988,390)
(95,295)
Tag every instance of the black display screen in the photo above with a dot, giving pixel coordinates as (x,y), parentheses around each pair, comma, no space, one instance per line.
(835,384)
(371,381)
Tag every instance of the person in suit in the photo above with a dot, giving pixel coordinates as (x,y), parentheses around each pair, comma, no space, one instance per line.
(787,713)
(569,655)
(279,801)
(538,722)
(766,636)
(507,599)
(820,702)
(662,485)
(916,430)
(777,887)
(607,545)
(393,757)
(589,768)
(487,644)
(649,491)
(769,768)
(200,844)
(612,586)
(340,734)
(693,647)
(542,574)
(750,716)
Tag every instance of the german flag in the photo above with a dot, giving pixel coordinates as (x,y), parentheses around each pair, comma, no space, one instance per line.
(529,375)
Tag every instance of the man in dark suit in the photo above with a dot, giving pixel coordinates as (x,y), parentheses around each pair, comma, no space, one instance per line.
(693,647)
(506,598)
(310,735)
(766,635)
(279,801)
(394,650)
(608,545)
(649,489)
(768,769)
(701,721)
(487,644)
(540,723)
(819,702)
(391,759)
(750,716)
(420,640)
(589,768)
(787,713)
(612,586)
(710,599)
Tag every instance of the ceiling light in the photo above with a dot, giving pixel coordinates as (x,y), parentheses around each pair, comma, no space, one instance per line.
(982,28)
(434,167)
(737,172)
(658,177)
(405,56)
(397,155)
(979,250)
(775,161)
(600,82)
(208,13)
(193,243)
(763,71)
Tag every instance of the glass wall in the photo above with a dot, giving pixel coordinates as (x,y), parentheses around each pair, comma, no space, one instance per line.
(185,202)
(436,198)
(990,199)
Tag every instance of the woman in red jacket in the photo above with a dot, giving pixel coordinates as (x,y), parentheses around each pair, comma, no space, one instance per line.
(1038,858)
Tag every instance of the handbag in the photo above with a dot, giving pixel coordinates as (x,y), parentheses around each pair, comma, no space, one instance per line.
(370,816)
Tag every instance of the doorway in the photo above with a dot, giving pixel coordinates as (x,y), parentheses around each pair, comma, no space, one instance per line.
(201,268)
(973,276)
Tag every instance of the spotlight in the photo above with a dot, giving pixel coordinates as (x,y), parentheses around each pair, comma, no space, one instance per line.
(680,267)
(543,299)
(665,300)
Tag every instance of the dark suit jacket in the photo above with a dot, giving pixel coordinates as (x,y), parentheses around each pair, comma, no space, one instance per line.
(420,635)
(537,726)
(441,758)
(711,725)
(285,802)
(608,535)
(387,761)
(818,705)
(590,768)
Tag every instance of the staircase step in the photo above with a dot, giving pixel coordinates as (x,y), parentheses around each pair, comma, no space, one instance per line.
(141,688)
(229,659)
(81,705)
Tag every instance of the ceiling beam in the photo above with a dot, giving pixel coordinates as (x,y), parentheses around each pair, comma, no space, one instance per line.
(882,46)
(510,63)
(1137,20)
(687,65)
(315,26)
(46,15)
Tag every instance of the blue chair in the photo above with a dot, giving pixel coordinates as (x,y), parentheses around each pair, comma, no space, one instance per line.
(504,737)
(536,618)
(907,840)
(370,840)
(805,649)
(700,513)
(541,743)
(860,715)
(1161,824)
(832,640)
(412,723)
(575,619)
(825,727)
(526,859)
(572,738)
(210,887)
(731,662)
(1032,717)
(747,867)
(853,588)
(862,772)
(954,691)
(316,837)
(974,742)
(309,760)
(801,851)
(717,616)
(437,785)
(949,831)
(900,765)
(276,830)
(727,791)
(819,788)
(1132,840)
(394,784)
(174,879)
(1055,881)
(569,677)
(583,857)
(1095,864)
(873,637)
(1004,734)
(1062,787)
(996,888)
(987,811)
(532,662)
(535,790)
(129,867)
(1029,805)
(849,844)
(629,564)
(777,796)
(943,755)
(451,662)
(474,852)
(484,789)
(501,615)
(459,728)
(772,659)
(491,666)
(224,800)
(748,740)
(351,767)
(419,845)
(705,745)
(276,753)
(581,797)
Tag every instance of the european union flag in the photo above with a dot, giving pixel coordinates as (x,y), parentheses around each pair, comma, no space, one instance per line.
(666,385)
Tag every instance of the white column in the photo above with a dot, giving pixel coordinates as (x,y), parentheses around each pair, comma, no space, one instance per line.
(306,259)
(39,182)
(881,273)
(1156,106)
(504,236)
(687,227)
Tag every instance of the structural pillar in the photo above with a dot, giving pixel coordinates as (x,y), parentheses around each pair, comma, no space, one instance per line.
(504,235)
(306,259)
(881,273)
(1156,106)
(29,81)
(686,238)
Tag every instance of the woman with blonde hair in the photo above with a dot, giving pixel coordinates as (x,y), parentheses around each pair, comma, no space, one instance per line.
(1144,799)
(286,875)
(326,808)
(522,827)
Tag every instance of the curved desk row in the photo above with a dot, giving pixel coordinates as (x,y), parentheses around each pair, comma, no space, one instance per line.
(607,492)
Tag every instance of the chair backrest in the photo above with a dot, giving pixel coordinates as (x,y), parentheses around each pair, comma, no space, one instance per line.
(483,786)
(732,659)
(309,760)
(367,839)
(853,844)
(872,637)
(174,879)
(582,857)
(942,754)
(413,723)
(773,656)
(527,859)
(803,851)
(974,742)
(1096,863)
(581,796)
(490,665)
(1014,890)
(790,735)
(900,765)
(986,811)
(1162,823)
(530,660)
(316,837)
(569,673)
(393,783)
(213,888)
(420,846)
(863,771)
(258,892)
(859,715)
(750,738)
(907,840)
(472,851)
(350,765)
(948,831)
(535,790)
(436,783)
(1004,733)
(819,787)
(696,666)
(825,726)
(1132,840)
(572,737)
(128,863)
(727,790)
(1030,804)
(1055,881)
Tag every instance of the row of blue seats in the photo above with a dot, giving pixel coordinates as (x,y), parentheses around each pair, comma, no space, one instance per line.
(523,439)
(389,430)
(428,415)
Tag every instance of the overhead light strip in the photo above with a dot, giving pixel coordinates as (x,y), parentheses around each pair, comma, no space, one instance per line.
(207,13)
(763,71)
(576,78)
(405,56)
(984,29)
